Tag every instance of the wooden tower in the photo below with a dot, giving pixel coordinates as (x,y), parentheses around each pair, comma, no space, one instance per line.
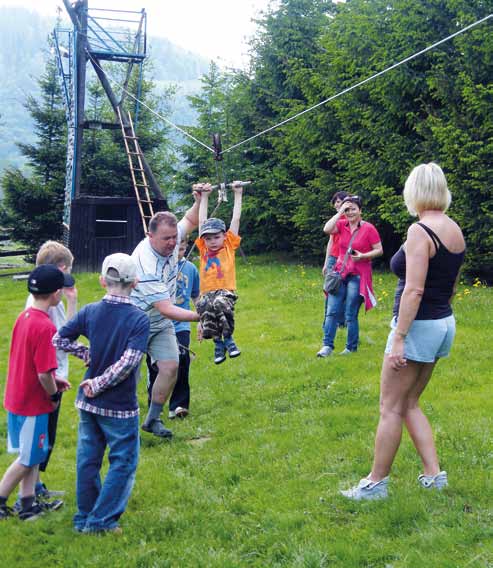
(96,226)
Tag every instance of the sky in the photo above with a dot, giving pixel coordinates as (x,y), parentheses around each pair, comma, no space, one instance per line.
(215,29)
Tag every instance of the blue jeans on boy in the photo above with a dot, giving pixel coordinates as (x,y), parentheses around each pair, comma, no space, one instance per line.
(331,262)
(348,293)
(101,505)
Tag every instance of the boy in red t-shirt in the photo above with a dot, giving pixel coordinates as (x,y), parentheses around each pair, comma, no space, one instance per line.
(31,392)
(217,249)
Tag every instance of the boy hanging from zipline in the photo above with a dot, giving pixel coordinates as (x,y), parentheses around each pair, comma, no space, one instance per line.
(217,249)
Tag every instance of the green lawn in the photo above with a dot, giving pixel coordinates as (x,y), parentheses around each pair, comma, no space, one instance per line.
(251,478)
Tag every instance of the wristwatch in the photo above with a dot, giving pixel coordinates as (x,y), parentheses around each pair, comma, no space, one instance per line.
(56,397)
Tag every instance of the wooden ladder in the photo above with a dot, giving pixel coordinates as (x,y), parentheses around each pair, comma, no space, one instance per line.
(139,179)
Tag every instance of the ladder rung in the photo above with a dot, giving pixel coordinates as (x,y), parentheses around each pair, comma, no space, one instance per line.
(137,169)
(135,153)
(130,137)
(141,185)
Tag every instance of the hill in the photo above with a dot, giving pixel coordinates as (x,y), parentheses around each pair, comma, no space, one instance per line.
(23,50)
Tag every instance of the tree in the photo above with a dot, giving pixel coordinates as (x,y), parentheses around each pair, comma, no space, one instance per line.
(33,205)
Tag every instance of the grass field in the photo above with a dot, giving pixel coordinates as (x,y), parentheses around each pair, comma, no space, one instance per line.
(252,476)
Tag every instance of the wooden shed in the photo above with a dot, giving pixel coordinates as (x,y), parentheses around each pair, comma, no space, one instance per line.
(103,225)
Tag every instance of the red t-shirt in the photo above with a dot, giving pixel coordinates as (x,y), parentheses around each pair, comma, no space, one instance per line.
(31,353)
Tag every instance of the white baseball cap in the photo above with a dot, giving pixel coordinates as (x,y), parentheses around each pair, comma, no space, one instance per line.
(123,264)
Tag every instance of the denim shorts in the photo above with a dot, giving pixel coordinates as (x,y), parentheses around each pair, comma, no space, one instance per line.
(162,345)
(28,436)
(426,340)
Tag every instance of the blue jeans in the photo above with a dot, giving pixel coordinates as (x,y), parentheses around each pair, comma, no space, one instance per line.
(331,262)
(101,505)
(348,293)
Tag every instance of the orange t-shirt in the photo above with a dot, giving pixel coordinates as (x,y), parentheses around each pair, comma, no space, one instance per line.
(217,270)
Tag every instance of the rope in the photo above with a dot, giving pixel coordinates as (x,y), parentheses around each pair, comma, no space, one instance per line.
(368,79)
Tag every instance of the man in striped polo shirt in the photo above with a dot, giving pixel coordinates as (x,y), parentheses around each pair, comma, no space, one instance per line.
(157,266)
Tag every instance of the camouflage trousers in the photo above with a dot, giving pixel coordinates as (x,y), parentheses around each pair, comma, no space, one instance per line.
(216,311)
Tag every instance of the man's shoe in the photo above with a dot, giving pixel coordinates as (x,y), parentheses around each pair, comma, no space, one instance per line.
(347,352)
(367,489)
(181,412)
(325,351)
(157,428)
(219,353)
(438,481)
(42,492)
(33,513)
(5,512)
(233,350)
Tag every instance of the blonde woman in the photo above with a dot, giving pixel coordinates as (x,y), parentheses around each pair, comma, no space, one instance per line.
(422,330)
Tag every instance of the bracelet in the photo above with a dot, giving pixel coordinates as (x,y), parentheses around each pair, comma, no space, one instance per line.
(56,397)
(401,334)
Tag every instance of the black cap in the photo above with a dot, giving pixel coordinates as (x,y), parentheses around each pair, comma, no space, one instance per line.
(47,278)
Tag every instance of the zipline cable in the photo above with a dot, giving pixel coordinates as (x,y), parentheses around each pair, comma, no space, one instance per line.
(343,92)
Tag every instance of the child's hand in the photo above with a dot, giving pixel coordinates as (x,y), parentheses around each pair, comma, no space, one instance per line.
(70,294)
(87,388)
(62,384)
(202,188)
(237,187)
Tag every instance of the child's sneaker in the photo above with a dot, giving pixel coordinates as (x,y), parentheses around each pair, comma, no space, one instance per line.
(5,512)
(233,350)
(33,513)
(219,353)
(181,412)
(325,351)
(367,489)
(43,492)
(438,481)
(50,505)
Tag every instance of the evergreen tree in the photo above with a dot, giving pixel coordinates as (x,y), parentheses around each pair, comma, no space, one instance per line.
(33,205)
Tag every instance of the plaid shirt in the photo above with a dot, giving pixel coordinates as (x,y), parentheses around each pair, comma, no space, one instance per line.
(112,376)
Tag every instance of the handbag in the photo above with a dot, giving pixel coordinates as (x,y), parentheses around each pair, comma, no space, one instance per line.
(333,279)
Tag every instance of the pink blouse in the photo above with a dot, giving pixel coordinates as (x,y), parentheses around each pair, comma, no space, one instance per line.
(365,239)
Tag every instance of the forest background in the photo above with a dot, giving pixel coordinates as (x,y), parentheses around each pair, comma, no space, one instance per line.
(436,107)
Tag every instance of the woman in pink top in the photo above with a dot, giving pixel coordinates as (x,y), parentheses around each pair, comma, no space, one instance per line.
(356,287)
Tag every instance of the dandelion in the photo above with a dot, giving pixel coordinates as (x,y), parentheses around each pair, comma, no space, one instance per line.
(467,291)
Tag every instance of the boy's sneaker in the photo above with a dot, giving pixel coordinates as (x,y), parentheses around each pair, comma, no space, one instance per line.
(438,481)
(50,505)
(367,489)
(346,352)
(325,351)
(33,513)
(219,353)
(181,412)
(233,350)
(5,512)
(44,493)
(157,428)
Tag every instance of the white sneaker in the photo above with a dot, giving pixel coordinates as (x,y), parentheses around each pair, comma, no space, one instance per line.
(325,351)
(367,489)
(181,412)
(438,481)
(171,414)
(346,352)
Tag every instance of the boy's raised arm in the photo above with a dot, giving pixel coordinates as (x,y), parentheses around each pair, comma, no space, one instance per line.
(206,188)
(235,219)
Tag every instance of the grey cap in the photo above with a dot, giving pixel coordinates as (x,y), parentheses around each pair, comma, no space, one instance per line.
(123,264)
(211,226)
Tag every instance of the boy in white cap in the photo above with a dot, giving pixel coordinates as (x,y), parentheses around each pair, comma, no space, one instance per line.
(107,398)
(217,249)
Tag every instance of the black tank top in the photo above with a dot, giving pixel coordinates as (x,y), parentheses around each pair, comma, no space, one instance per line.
(443,269)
